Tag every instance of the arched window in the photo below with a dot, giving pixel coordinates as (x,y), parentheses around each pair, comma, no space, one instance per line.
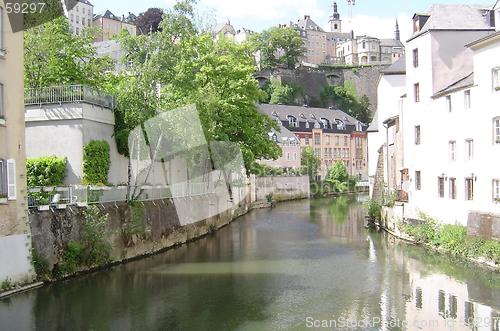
(292,121)
(496,130)
(335,26)
(326,123)
(364,44)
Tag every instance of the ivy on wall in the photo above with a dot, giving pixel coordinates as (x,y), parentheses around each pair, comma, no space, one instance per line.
(96,162)
(46,171)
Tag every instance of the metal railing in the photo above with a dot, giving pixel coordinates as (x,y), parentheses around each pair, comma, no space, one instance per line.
(44,198)
(67,94)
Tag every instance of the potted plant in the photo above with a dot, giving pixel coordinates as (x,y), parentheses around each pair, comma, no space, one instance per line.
(43,203)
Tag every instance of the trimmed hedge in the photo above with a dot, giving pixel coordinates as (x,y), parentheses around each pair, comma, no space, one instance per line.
(96,162)
(46,171)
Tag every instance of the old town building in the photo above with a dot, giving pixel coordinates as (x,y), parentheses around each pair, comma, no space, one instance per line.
(334,135)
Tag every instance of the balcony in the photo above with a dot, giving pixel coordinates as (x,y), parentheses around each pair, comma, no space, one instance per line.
(67,94)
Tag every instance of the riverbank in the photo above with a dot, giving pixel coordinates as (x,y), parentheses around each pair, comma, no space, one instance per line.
(446,239)
(132,232)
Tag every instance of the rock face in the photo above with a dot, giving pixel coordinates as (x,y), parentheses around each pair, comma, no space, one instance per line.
(312,81)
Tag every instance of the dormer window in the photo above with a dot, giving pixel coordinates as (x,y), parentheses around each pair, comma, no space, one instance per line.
(359,127)
(292,121)
(326,123)
(340,124)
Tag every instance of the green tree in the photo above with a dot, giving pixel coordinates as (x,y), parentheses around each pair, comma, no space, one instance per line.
(192,68)
(339,178)
(310,163)
(54,56)
(279,46)
(345,98)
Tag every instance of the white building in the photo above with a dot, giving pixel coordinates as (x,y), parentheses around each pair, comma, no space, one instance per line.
(80,16)
(451,127)
(385,132)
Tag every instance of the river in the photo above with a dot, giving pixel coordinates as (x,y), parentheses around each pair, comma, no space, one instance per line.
(299,266)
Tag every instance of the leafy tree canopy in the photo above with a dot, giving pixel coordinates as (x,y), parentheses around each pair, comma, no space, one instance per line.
(278,47)
(149,21)
(339,178)
(345,98)
(187,67)
(310,163)
(54,56)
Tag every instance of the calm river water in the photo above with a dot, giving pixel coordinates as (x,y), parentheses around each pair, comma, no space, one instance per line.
(303,264)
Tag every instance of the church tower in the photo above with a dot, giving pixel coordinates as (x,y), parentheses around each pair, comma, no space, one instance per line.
(335,21)
(397,35)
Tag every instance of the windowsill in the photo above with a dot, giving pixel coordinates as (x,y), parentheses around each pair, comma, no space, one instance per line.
(2,122)
(3,201)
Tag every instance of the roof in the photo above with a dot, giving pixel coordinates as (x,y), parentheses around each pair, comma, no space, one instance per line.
(462,83)
(283,135)
(87,2)
(308,24)
(456,17)
(397,68)
(484,41)
(110,15)
(311,115)
(391,43)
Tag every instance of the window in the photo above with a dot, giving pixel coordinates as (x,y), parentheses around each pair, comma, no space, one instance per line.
(3,178)
(295,156)
(317,139)
(453,150)
(72,17)
(292,121)
(307,141)
(467,99)
(346,141)
(416,92)
(325,122)
(77,31)
(496,128)
(453,188)
(328,140)
(469,149)
(418,180)
(415,58)
(448,103)
(2,48)
(496,78)
(288,156)
(337,140)
(364,45)
(2,108)
(441,187)
(77,19)
(417,135)
(469,189)
(496,190)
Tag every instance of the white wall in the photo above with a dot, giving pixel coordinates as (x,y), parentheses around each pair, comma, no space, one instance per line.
(15,258)
(441,56)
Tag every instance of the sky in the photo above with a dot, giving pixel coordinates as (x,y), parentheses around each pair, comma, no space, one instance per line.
(372,17)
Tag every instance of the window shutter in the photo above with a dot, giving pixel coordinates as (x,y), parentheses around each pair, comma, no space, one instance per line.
(11,179)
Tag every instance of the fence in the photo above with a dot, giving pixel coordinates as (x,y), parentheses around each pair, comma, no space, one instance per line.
(43,198)
(67,94)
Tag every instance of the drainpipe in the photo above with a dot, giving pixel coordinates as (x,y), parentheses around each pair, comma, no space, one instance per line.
(386,126)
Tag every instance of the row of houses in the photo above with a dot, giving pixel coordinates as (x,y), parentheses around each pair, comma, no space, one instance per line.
(82,16)
(436,136)
(331,133)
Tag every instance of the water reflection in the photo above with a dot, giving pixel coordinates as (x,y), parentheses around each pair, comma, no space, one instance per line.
(272,270)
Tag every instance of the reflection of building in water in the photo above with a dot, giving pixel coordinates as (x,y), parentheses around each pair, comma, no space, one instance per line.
(439,301)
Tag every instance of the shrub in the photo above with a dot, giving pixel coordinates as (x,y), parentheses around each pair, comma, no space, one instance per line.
(452,239)
(424,232)
(96,248)
(46,171)
(491,250)
(374,210)
(41,264)
(72,258)
(96,162)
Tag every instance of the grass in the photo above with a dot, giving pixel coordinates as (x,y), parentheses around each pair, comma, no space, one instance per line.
(453,239)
